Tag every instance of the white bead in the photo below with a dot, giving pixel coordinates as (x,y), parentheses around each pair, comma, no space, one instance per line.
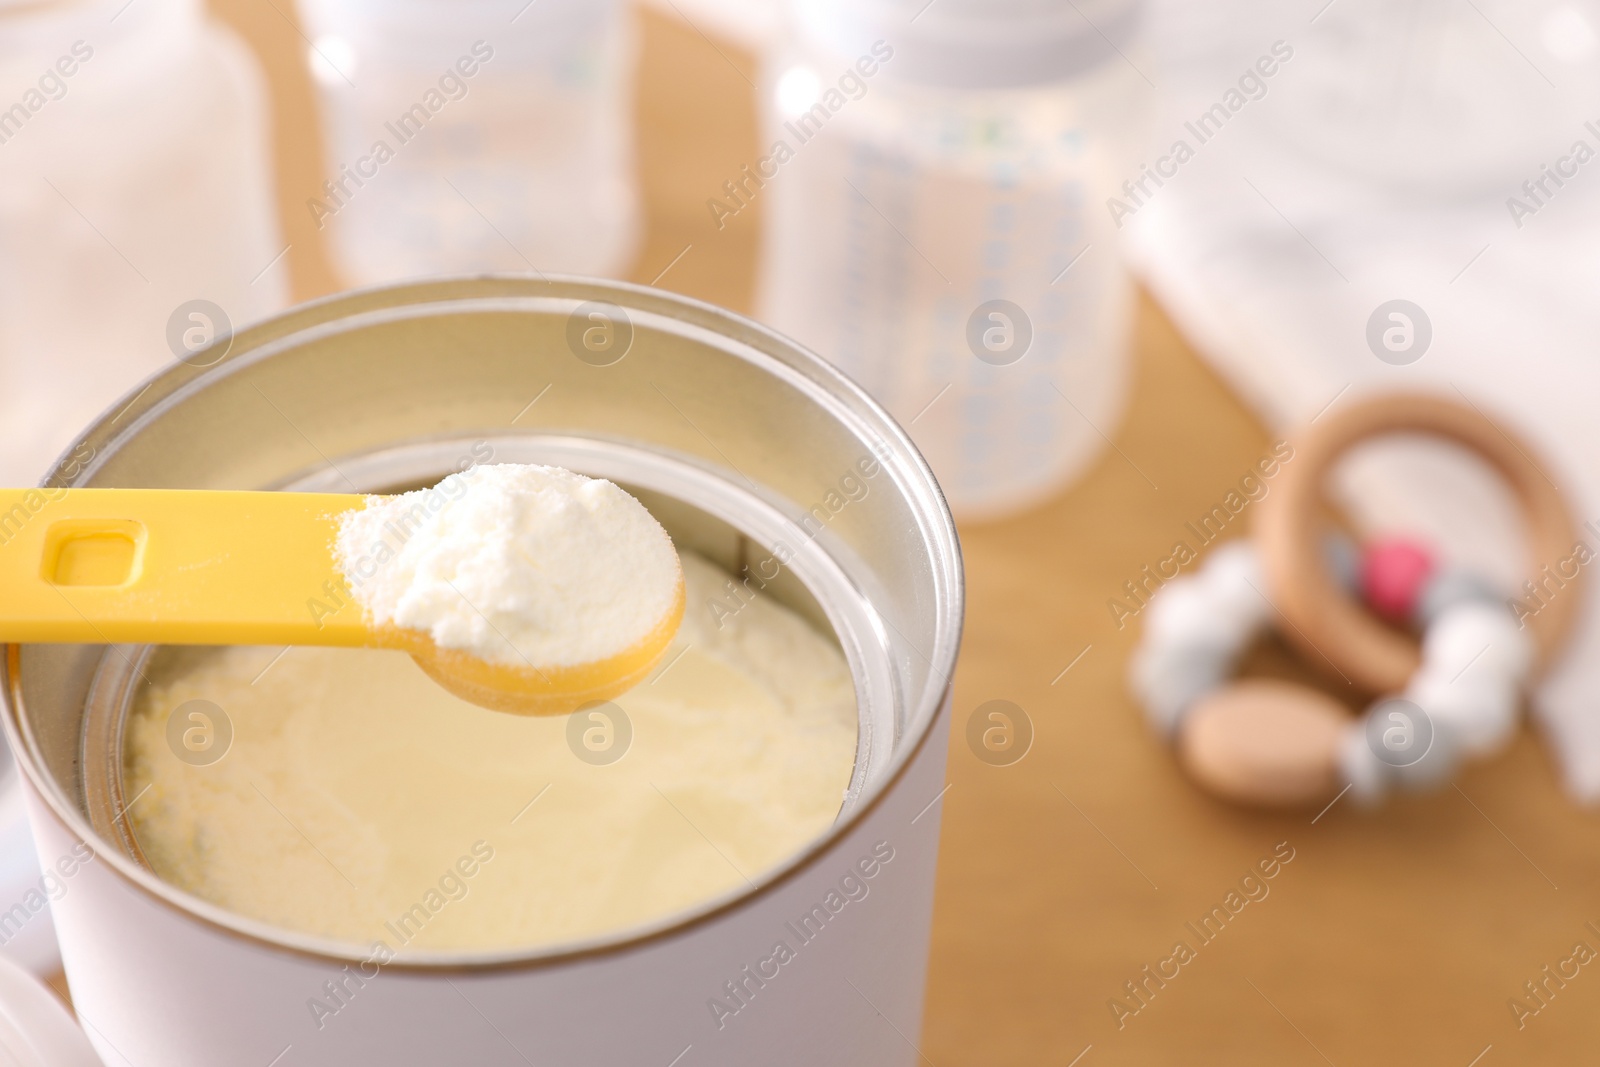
(1168,679)
(1237,585)
(1194,628)
(1220,607)
(1367,774)
(1437,765)
(1182,614)
(1235,565)
(1481,716)
(1481,643)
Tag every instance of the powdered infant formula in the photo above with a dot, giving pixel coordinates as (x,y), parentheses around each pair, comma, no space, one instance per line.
(360,801)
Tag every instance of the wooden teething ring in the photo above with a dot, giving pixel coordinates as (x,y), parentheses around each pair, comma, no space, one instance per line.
(1325,622)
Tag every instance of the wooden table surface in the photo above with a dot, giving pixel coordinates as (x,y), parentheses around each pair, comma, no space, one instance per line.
(1391,937)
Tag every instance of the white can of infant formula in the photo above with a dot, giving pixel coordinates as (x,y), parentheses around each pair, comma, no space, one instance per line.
(752,452)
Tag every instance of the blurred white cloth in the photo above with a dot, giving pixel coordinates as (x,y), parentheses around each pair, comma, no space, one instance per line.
(1377,166)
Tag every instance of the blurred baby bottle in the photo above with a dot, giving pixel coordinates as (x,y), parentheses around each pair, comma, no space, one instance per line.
(934,178)
(470,135)
(136,207)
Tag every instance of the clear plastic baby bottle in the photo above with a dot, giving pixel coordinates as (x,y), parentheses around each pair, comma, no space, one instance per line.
(475,135)
(135,181)
(935,179)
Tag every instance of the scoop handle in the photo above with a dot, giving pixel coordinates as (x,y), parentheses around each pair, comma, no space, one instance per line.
(174,566)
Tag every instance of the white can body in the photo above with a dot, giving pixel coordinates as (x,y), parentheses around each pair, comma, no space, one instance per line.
(154,986)
(819,960)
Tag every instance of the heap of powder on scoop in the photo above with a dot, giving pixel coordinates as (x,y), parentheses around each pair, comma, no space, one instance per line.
(514,564)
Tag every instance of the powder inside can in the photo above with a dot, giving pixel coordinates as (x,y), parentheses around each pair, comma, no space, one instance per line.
(357,795)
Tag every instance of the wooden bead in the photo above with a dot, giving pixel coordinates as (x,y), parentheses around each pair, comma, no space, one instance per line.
(1265,742)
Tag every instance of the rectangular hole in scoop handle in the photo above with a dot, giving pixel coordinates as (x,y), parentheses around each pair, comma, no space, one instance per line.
(93,552)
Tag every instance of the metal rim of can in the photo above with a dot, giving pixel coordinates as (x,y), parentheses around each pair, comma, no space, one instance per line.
(347,311)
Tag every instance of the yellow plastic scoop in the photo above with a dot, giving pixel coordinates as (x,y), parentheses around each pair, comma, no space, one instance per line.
(198,567)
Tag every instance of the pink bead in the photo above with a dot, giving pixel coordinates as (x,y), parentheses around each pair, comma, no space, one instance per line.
(1394,571)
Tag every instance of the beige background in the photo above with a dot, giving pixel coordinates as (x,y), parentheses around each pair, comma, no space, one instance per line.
(1392,937)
